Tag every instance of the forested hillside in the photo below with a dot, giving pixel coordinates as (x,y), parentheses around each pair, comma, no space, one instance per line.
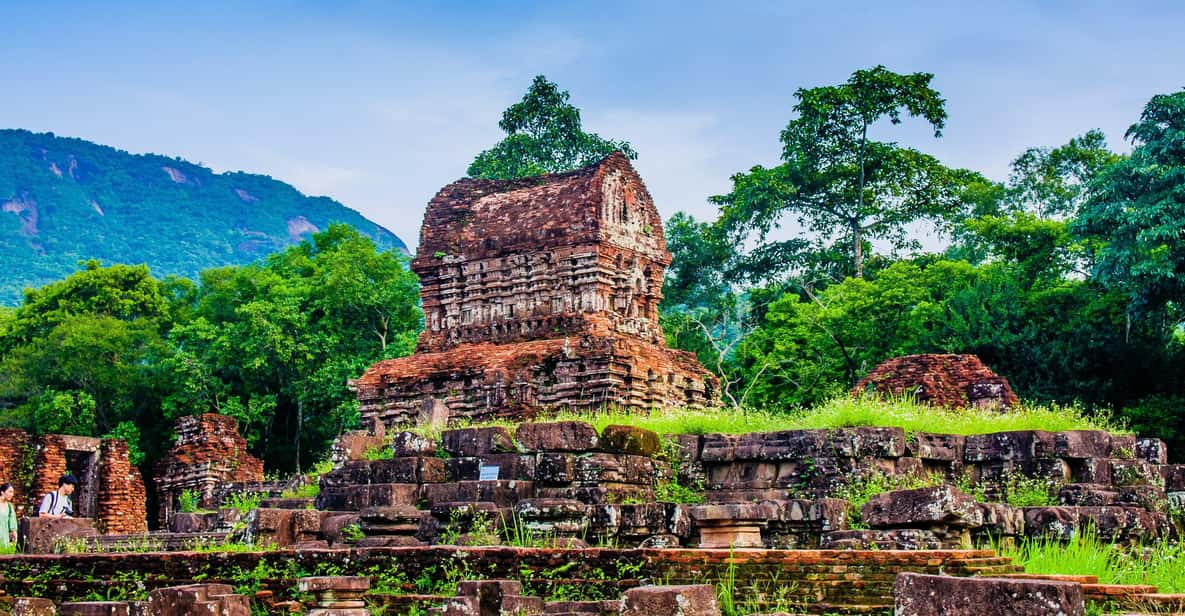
(66,200)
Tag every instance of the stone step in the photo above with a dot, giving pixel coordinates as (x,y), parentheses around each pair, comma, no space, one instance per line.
(1054,577)
(1112,592)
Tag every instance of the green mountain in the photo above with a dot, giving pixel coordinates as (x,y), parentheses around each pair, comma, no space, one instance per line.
(66,200)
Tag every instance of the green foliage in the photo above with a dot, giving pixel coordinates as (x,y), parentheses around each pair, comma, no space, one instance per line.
(1022,491)
(845,411)
(1055,339)
(861,490)
(78,199)
(543,135)
(187,502)
(840,185)
(1136,211)
(1161,564)
(129,433)
(244,503)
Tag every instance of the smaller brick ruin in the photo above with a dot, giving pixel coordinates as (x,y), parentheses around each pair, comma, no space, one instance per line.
(209,453)
(539,293)
(110,490)
(951,381)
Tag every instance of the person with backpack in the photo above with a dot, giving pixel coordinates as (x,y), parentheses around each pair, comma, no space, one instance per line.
(57,504)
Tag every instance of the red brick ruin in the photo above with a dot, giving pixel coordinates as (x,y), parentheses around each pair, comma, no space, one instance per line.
(539,293)
(952,381)
(110,490)
(209,453)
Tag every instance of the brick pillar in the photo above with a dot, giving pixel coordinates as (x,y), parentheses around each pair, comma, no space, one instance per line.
(122,507)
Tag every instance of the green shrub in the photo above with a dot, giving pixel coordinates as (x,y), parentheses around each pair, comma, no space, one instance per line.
(188,501)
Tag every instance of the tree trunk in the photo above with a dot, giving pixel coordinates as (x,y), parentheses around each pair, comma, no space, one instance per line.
(857,250)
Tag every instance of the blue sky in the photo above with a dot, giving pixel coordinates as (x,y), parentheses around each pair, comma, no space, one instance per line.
(379,104)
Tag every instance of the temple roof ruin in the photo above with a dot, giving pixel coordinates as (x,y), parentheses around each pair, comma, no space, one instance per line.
(539,292)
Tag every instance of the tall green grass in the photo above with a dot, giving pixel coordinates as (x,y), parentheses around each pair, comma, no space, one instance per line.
(1161,564)
(846,411)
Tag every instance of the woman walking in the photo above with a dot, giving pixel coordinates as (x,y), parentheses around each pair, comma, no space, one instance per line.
(7,519)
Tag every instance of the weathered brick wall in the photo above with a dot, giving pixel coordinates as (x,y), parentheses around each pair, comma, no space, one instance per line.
(122,497)
(34,464)
(953,381)
(209,452)
(16,463)
(539,293)
(50,465)
(821,579)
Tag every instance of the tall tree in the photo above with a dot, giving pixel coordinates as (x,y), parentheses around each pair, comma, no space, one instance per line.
(840,184)
(1137,211)
(543,135)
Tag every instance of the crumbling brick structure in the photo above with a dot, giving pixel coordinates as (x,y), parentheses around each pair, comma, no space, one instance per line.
(539,293)
(209,453)
(952,381)
(110,489)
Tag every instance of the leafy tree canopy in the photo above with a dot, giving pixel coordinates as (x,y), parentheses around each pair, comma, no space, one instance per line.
(543,135)
(841,186)
(1137,210)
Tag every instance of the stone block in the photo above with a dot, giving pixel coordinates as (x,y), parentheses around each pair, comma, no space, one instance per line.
(1123,446)
(1174,477)
(511,466)
(615,468)
(922,507)
(1001,520)
(334,583)
(42,535)
(599,494)
(205,599)
(558,516)
(33,606)
(411,444)
(916,594)
(742,475)
(1118,524)
(286,503)
(557,436)
(1079,444)
(555,468)
(93,608)
(1135,473)
(1016,446)
(503,493)
(477,441)
(193,522)
(463,469)
(631,440)
(1152,450)
(895,539)
(417,469)
(1090,470)
(332,527)
(382,495)
(697,600)
(942,447)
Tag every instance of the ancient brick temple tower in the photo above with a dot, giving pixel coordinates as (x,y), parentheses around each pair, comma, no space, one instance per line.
(539,293)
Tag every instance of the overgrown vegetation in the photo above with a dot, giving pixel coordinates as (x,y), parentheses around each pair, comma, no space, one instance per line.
(1160,564)
(844,411)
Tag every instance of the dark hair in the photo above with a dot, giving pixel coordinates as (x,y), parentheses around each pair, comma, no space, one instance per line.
(4,487)
(67,479)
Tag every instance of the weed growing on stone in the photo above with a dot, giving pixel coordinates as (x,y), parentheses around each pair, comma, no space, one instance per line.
(308,490)
(860,491)
(1160,564)
(1021,491)
(245,503)
(187,502)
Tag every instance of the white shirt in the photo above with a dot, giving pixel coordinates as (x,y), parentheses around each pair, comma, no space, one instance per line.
(55,504)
